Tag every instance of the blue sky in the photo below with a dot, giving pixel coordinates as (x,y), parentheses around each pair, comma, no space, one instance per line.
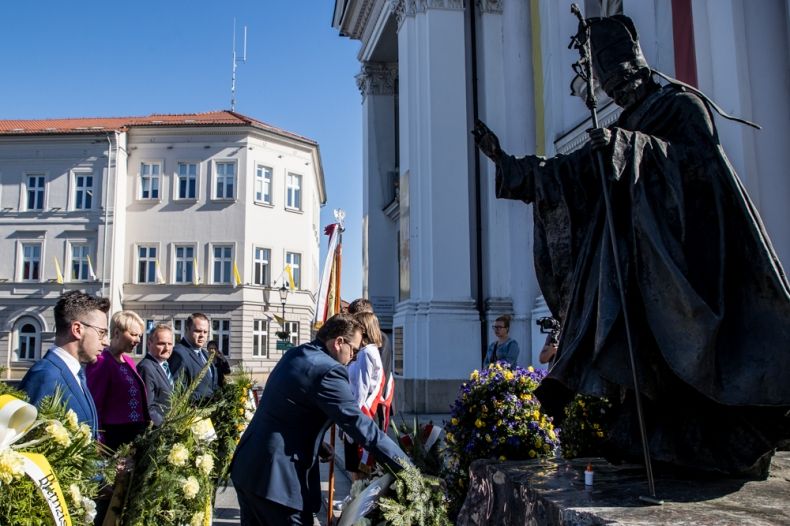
(86,58)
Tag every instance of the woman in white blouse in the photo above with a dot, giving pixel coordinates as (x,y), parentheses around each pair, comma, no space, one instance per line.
(366,374)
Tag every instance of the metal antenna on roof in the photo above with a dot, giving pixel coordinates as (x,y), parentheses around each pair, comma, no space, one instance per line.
(236,62)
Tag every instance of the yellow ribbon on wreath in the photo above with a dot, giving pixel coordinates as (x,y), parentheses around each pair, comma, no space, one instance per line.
(16,417)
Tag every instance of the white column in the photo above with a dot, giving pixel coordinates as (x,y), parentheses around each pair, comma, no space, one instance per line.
(377,83)
(439,320)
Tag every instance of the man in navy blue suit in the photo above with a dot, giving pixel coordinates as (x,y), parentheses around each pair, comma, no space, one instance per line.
(189,357)
(275,469)
(80,336)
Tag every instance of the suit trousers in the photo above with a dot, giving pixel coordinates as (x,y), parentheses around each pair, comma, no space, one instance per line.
(257,511)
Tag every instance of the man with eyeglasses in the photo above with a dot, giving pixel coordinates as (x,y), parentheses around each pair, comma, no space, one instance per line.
(275,469)
(80,336)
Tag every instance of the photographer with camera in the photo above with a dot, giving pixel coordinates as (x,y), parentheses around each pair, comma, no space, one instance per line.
(503,349)
(550,326)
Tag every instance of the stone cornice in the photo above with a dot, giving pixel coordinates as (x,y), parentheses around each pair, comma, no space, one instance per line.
(405,8)
(377,78)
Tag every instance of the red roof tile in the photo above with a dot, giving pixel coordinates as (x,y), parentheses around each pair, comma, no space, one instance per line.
(105,124)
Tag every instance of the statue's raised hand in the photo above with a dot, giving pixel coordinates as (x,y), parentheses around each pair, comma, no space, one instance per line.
(487,141)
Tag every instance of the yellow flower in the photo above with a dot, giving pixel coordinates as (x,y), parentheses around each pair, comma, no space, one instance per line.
(191,487)
(205,463)
(531,369)
(502,458)
(454,421)
(485,409)
(58,432)
(479,423)
(197,519)
(449,437)
(85,431)
(539,443)
(178,455)
(532,453)
(552,435)
(509,375)
(12,466)
(475,375)
(72,420)
(599,434)
(488,438)
(536,414)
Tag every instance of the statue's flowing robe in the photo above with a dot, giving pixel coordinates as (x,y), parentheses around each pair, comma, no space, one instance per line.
(708,301)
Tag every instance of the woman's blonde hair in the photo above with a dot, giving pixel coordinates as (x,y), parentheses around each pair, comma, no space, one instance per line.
(372,332)
(124,319)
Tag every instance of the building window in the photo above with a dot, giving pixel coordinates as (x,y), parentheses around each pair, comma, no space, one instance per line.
(142,347)
(293,198)
(149,180)
(220,332)
(146,264)
(222,263)
(185,263)
(179,324)
(292,327)
(28,340)
(83,191)
(260,338)
(263,185)
(261,267)
(295,261)
(186,181)
(35,192)
(224,180)
(80,266)
(31,261)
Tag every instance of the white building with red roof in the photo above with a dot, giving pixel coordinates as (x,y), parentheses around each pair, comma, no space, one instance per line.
(158,213)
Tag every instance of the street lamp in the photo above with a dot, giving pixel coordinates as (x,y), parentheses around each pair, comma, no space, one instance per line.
(283,334)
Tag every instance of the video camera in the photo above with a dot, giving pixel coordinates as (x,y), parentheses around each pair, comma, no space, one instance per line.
(551,326)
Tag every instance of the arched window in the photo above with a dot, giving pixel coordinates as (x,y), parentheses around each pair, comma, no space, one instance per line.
(28,339)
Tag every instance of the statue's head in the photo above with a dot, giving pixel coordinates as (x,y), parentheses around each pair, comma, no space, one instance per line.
(619,65)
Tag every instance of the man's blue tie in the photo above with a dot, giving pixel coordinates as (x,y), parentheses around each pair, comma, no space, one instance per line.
(89,399)
(166,367)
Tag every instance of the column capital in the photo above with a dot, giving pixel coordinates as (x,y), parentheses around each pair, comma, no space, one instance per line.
(489,6)
(406,8)
(377,78)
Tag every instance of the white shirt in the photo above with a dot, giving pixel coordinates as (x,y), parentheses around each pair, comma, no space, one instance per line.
(366,375)
(72,363)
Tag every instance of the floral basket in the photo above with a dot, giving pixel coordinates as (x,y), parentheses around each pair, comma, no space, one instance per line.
(496,415)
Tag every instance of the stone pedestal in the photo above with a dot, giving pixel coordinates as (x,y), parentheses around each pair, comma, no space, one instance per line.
(552,492)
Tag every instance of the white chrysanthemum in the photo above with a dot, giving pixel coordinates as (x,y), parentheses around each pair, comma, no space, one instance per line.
(58,433)
(85,431)
(205,463)
(178,455)
(197,519)
(203,429)
(90,510)
(76,494)
(72,420)
(190,487)
(12,466)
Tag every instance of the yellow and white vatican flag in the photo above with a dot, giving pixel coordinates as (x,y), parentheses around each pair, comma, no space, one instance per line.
(91,273)
(195,276)
(236,275)
(58,273)
(290,273)
(160,279)
(16,418)
(328,300)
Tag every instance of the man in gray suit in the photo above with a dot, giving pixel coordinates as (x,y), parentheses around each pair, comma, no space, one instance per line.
(275,468)
(189,357)
(155,371)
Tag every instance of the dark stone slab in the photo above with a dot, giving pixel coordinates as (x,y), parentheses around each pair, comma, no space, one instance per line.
(552,492)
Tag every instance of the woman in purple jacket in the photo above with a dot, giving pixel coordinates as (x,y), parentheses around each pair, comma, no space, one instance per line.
(117,389)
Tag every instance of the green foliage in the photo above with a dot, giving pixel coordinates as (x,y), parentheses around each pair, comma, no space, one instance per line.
(419,500)
(231,413)
(584,427)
